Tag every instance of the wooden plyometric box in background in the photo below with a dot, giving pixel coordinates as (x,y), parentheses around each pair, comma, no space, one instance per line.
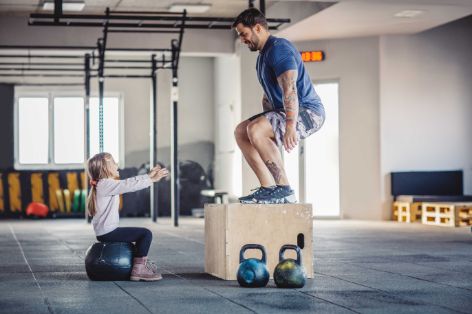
(447,214)
(230,226)
(406,211)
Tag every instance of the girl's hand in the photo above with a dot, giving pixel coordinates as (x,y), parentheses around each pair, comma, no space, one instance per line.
(154,170)
(157,173)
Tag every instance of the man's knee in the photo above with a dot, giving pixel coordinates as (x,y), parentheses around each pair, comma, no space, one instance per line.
(240,132)
(254,131)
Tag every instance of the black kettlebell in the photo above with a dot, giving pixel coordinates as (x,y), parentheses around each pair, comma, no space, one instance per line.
(252,272)
(289,273)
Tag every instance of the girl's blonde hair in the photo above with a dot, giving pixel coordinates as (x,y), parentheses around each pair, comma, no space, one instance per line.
(98,167)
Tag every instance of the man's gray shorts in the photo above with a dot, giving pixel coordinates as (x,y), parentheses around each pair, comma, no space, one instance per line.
(308,122)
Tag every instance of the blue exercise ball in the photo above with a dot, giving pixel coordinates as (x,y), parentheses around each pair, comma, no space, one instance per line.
(109,260)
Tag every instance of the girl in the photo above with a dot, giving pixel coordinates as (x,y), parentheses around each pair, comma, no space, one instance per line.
(103,203)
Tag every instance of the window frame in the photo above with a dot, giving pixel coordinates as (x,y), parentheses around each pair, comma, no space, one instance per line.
(50,94)
(121,123)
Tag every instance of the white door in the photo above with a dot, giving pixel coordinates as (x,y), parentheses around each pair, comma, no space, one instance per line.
(313,168)
(321,157)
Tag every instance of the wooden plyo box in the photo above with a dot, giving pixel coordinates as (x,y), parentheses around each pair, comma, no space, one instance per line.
(230,226)
(447,214)
(406,211)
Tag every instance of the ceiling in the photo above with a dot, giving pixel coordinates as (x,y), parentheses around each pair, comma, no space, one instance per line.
(324,18)
(219,7)
(357,18)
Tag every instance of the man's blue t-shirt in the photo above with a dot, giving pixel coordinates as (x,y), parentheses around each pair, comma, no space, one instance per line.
(278,56)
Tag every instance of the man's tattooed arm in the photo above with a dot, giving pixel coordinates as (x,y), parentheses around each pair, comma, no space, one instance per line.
(288,84)
(266,105)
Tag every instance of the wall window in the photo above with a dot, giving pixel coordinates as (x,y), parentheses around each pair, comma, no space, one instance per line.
(68,130)
(33,130)
(111,126)
(49,130)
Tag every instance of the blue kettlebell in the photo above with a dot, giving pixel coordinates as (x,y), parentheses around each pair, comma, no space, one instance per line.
(289,273)
(252,272)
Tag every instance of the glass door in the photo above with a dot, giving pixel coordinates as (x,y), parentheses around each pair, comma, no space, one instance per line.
(321,157)
(313,167)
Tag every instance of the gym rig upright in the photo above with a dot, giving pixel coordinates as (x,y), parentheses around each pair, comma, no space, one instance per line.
(124,22)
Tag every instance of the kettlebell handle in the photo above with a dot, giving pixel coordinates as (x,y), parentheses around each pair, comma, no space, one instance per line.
(252,246)
(296,248)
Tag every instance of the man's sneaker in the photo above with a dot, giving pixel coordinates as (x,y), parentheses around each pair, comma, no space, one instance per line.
(254,197)
(282,194)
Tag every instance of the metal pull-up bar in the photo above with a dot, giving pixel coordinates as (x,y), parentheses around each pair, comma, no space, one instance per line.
(140,21)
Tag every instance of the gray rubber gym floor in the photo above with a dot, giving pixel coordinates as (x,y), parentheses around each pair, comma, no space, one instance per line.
(361,267)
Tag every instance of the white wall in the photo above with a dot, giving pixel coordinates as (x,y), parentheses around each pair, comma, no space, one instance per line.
(405,102)
(196,98)
(426,103)
(196,122)
(227,115)
(354,64)
(251,103)
(135,94)
(416,119)
(195,74)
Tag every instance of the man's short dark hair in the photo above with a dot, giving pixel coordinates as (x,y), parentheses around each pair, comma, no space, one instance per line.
(250,18)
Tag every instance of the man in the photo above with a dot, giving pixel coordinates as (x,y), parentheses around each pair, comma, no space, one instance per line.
(291,109)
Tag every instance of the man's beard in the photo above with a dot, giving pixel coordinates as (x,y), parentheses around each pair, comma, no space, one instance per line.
(254,43)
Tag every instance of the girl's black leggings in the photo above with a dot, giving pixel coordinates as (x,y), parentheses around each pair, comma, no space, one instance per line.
(141,236)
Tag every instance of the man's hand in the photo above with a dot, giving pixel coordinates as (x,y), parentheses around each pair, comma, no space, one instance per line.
(290,138)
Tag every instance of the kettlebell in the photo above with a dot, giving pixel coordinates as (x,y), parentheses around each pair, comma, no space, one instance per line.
(252,272)
(289,273)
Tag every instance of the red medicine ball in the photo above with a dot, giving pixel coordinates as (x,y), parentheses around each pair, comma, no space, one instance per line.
(37,209)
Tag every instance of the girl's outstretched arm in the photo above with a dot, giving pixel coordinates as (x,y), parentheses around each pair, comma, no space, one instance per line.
(115,187)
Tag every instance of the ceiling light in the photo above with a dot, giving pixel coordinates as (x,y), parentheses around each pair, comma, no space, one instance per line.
(409,13)
(190,7)
(48,5)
